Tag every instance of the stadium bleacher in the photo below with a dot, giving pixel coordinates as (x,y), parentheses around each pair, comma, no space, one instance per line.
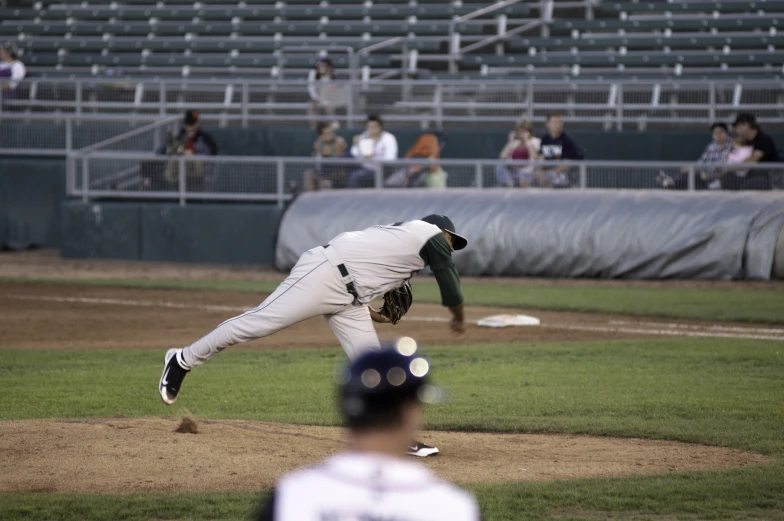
(686,39)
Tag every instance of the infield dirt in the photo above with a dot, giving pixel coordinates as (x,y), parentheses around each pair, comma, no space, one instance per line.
(123,455)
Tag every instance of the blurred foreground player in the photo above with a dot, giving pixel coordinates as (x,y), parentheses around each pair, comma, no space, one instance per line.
(381,395)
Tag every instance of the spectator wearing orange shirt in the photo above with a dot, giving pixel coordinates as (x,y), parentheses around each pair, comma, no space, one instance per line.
(430,174)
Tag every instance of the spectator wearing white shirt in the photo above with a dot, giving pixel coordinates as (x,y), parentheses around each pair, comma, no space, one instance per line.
(375,143)
(12,71)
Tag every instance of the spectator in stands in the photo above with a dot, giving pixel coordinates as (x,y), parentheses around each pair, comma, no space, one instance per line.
(717,151)
(190,141)
(428,173)
(740,153)
(522,145)
(556,145)
(763,151)
(12,71)
(375,143)
(323,72)
(328,175)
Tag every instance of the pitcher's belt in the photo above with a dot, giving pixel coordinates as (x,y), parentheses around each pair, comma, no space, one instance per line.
(347,280)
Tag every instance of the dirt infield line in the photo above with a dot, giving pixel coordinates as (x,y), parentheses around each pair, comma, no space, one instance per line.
(613,326)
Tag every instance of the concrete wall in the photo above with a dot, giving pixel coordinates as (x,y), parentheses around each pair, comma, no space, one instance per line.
(201,233)
(31,190)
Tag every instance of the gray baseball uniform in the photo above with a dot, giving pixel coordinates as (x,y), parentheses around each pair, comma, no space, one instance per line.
(337,281)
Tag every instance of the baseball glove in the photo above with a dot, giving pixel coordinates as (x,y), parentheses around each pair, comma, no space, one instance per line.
(397,303)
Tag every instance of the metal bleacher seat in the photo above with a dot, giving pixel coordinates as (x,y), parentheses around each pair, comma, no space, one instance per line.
(650,41)
(631,59)
(686,6)
(684,37)
(737,22)
(265,12)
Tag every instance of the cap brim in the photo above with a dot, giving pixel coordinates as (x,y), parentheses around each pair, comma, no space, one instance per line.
(458,241)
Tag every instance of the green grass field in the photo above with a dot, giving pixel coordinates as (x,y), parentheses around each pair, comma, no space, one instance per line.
(711,391)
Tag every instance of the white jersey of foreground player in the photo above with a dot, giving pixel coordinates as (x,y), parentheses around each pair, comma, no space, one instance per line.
(362,486)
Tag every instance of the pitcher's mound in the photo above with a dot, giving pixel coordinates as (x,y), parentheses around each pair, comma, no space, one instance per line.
(146,455)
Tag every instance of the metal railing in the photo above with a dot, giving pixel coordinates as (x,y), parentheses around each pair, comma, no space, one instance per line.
(423,103)
(101,174)
(56,134)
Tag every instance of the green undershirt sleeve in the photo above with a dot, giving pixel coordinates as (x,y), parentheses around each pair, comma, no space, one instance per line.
(438,255)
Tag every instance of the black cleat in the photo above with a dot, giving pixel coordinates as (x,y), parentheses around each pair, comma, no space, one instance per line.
(172,377)
(420,450)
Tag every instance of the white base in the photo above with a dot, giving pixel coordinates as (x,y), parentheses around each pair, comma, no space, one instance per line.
(508,320)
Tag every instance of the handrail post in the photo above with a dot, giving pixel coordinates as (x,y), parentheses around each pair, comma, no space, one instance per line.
(530,100)
(68,134)
(79,94)
(692,179)
(583,176)
(353,64)
(85,178)
(244,103)
(280,177)
(712,101)
(619,110)
(439,99)
(353,90)
(161,98)
(479,177)
(181,179)
(379,168)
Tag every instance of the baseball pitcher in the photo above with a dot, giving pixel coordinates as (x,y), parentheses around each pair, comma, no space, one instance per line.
(338,281)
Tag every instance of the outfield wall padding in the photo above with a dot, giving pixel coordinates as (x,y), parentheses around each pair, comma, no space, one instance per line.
(199,233)
(31,190)
(565,233)
(100,230)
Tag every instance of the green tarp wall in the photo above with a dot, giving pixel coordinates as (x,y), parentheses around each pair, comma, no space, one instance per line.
(200,233)
(30,194)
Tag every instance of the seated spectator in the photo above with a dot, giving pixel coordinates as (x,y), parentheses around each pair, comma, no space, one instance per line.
(375,143)
(556,145)
(522,145)
(327,175)
(322,73)
(427,146)
(763,151)
(12,71)
(190,141)
(717,151)
(740,153)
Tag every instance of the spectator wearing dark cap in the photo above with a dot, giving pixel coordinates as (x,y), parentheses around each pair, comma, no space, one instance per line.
(763,151)
(12,71)
(381,394)
(190,141)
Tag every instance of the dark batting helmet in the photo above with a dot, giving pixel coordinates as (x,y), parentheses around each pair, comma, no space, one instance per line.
(373,388)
